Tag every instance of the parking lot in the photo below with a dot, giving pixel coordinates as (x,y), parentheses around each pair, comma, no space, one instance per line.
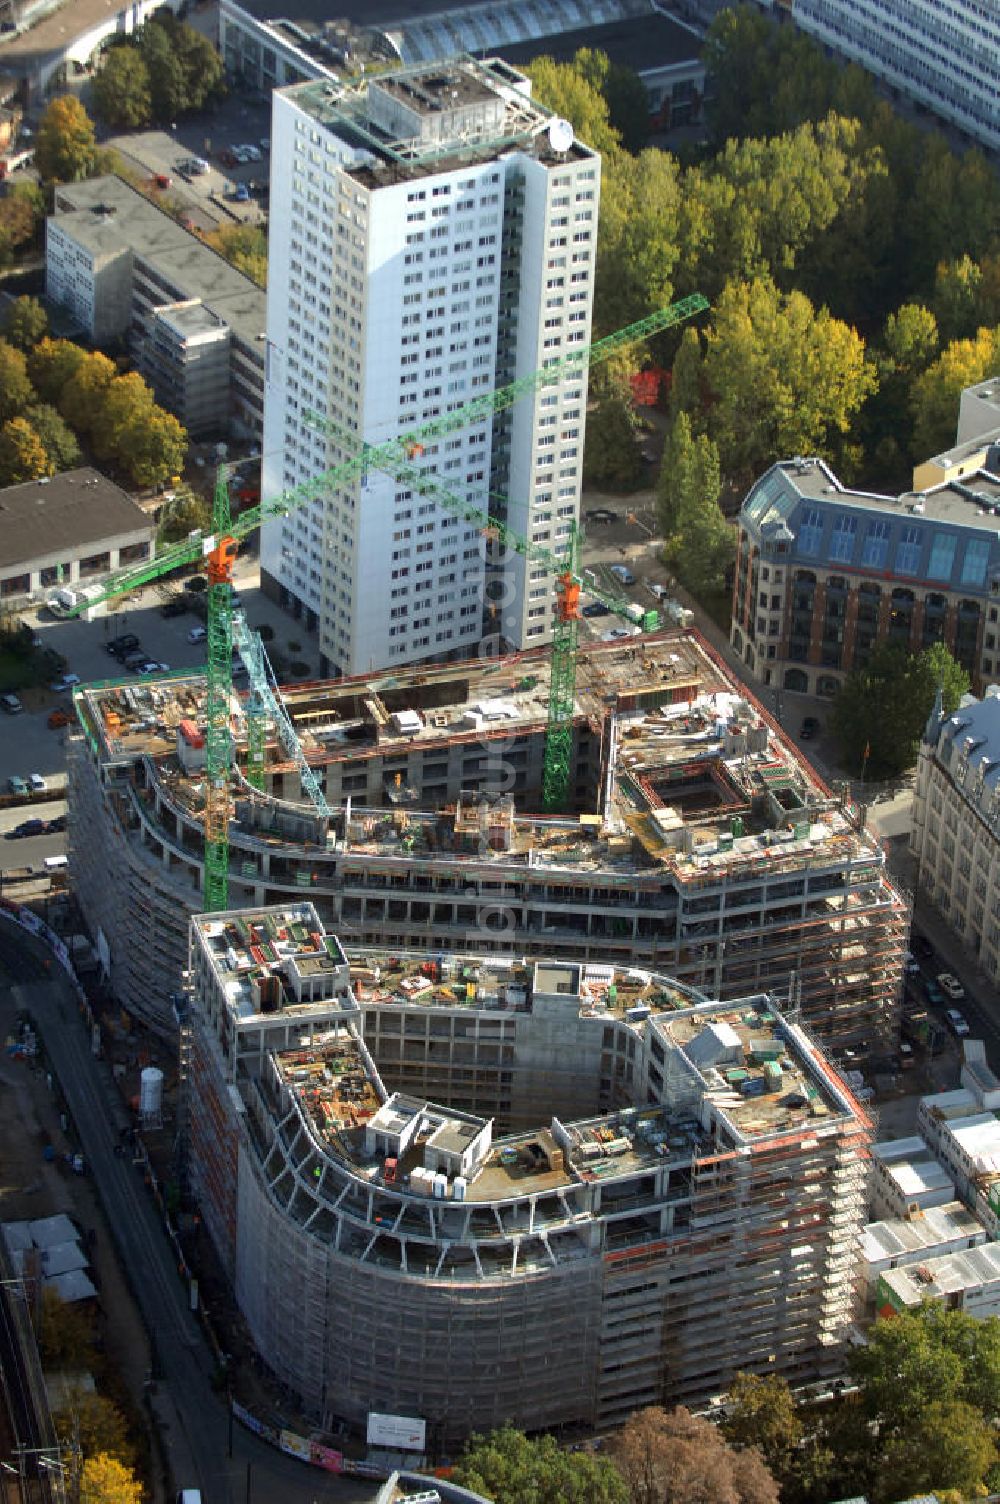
(29,745)
(210,196)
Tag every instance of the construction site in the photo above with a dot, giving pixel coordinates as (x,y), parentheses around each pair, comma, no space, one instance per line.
(700,842)
(682,1197)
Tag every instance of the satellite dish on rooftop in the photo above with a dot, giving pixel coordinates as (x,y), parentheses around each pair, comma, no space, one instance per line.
(560,134)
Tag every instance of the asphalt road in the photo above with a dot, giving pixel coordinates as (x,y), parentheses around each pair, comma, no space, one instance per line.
(193,1417)
(30,851)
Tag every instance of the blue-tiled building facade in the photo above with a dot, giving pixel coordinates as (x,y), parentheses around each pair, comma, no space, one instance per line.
(823,573)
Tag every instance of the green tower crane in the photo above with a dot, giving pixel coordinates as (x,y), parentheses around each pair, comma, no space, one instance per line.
(219,551)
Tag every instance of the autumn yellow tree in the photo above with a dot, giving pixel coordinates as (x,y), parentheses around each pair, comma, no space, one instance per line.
(82,398)
(51,363)
(97,1424)
(23,456)
(65,146)
(104,1480)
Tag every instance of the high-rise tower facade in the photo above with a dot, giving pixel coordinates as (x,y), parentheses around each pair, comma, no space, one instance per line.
(432,237)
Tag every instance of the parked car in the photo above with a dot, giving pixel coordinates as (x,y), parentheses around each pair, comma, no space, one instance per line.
(118,647)
(934,994)
(227,157)
(601,514)
(951,985)
(197,634)
(622,574)
(596,608)
(11,704)
(957,1024)
(68,681)
(152,667)
(242,193)
(912,965)
(17,786)
(162,181)
(36,783)
(134,660)
(54,826)
(809,728)
(26,828)
(175,606)
(617,633)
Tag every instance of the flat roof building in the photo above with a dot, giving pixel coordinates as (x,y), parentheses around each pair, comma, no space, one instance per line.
(967,1281)
(454,254)
(123,266)
(897,1242)
(677,1195)
(72,528)
(699,840)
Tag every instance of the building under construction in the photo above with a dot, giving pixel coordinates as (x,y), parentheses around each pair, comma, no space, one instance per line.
(681,1198)
(701,843)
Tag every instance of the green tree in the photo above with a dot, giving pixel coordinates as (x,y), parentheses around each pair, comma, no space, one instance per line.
(97,1424)
(611,457)
(15,388)
(910,341)
(785,378)
(955,299)
(22,453)
(82,398)
(58,439)
(638,238)
(121,89)
(51,363)
(186,513)
(679,1458)
(510,1469)
(65,146)
(936,392)
(883,708)
(949,1446)
(25,322)
(564,89)
(689,479)
(152,447)
(104,1480)
(183,68)
(762,1412)
(625,93)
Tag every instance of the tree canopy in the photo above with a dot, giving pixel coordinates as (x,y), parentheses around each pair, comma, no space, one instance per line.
(51,363)
(65,146)
(782,377)
(22,454)
(121,90)
(57,438)
(678,1458)
(243,246)
(611,457)
(25,322)
(883,707)
(700,543)
(15,386)
(509,1468)
(105,1480)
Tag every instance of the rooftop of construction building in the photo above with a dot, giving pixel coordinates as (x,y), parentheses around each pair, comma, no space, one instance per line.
(276,960)
(730,1073)
(703,780)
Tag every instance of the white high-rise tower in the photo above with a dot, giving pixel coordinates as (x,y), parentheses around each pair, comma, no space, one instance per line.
(432,237)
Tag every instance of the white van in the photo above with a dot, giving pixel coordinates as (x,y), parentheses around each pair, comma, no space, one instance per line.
(56,863)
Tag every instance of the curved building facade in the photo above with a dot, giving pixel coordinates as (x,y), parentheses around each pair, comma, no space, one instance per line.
(700,842)
(674,1191)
